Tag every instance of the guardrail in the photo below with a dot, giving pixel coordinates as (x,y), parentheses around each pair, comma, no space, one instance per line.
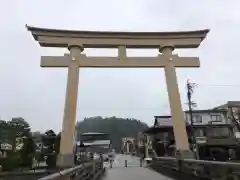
(90,170)
(200,168)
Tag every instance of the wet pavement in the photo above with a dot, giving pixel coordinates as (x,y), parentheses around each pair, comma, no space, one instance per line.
(133,171)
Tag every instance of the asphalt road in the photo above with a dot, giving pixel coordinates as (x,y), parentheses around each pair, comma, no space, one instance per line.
(133,171)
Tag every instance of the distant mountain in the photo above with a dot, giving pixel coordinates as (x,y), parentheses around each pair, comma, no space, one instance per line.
(117,128)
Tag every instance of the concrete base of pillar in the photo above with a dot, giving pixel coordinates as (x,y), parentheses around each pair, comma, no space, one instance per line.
(65,160)
(185,154)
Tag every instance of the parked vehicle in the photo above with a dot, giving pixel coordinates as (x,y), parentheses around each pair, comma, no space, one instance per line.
(96,143)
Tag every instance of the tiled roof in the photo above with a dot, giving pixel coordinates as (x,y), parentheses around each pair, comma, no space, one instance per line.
(229,104)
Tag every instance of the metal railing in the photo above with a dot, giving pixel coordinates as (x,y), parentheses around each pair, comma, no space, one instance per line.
(90,170)
(200,168)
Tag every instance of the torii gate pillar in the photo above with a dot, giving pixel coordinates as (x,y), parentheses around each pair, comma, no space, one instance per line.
(66,155)
(178,121)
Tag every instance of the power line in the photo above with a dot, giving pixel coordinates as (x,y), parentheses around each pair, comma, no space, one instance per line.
(157,108)
(219,85)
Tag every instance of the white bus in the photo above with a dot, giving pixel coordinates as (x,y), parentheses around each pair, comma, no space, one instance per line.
(96,143)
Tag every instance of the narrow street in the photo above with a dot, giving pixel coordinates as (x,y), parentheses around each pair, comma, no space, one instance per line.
(132,171)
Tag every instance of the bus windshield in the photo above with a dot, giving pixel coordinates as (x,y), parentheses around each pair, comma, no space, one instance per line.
(96,142)
(89,137)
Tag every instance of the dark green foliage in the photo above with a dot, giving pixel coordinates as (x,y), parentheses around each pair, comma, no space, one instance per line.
(4,133)
(20,159)
(27,151)
(12,162)
(51,161)
(39,156)
(10,130)
(51,142)
(48,140)
(117,128)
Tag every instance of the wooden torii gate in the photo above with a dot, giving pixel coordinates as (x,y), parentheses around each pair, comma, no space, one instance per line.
(76,41)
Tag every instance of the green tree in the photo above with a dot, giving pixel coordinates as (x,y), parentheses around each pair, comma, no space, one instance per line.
(12,162)
(17,127)
(27,152)
(37,136)
(3,132)
(49,139)
(9,132)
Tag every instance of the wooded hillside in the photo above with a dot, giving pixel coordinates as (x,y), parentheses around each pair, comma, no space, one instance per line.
(117,128)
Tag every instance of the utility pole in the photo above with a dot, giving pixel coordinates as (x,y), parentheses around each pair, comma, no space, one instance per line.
(190,88)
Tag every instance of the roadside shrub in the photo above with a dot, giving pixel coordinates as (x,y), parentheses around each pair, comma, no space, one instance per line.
(10,163)
(51,161)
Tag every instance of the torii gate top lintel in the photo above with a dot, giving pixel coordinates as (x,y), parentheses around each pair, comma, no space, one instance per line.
(108,39)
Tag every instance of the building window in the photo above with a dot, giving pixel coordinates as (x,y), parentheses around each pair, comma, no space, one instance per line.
(219,132)
(216,118)
(199,132)
(197,119)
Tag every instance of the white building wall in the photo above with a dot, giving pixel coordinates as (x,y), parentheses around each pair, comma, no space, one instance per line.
(208,118)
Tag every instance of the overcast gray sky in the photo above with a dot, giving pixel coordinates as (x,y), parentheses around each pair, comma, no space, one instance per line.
(38,94)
